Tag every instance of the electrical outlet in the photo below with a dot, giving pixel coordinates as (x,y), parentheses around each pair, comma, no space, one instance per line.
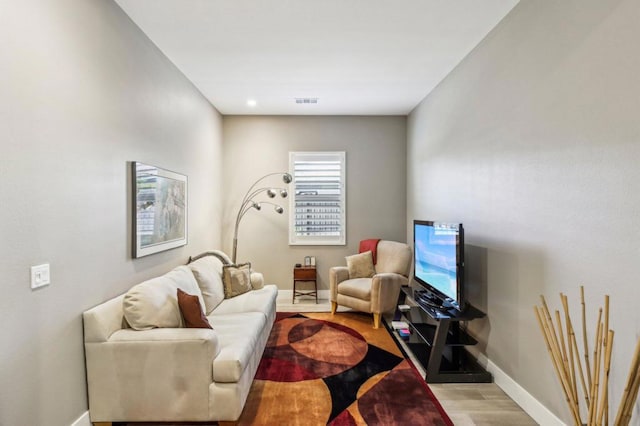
(40,275)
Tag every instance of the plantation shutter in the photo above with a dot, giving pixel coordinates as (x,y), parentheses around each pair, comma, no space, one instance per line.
(318,202)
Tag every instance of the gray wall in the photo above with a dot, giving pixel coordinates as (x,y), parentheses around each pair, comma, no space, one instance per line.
(533,142)
(83,92)
(376,198)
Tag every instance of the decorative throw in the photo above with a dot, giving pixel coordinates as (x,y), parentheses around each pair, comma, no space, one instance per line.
(372,246)
(236,279)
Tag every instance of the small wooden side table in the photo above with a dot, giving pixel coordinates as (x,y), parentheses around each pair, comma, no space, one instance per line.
(305,273)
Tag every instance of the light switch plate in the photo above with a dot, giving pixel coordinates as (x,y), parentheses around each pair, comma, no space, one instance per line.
(40,275)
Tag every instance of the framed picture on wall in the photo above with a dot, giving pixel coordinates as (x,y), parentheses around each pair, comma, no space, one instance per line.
(159,209)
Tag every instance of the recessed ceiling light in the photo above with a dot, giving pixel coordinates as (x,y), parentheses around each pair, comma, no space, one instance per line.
(252,103)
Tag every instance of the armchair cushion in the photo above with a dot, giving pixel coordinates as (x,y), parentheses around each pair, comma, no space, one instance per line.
(359,288)
(361,265)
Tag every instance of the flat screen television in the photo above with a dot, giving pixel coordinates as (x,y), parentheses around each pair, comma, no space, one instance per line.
(438,249)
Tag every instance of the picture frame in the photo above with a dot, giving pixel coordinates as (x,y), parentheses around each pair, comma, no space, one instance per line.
(160,211)
(313,261)
(307,261)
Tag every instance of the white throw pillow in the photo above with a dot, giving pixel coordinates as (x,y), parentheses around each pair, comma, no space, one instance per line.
(154,303)
(208,273)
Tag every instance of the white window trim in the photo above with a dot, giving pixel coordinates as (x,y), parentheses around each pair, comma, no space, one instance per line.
(318,240)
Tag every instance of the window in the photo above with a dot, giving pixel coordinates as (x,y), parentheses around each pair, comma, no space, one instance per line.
(317,206)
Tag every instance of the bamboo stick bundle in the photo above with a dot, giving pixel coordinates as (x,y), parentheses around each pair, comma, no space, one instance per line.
(556,357)
(557,339)
(565,356)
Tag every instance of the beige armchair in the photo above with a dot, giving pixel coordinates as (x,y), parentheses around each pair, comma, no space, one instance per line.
(378,292)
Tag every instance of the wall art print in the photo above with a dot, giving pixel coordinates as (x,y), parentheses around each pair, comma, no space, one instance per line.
(160,209)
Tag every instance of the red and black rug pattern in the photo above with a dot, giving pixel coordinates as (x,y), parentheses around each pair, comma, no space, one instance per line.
(337,370)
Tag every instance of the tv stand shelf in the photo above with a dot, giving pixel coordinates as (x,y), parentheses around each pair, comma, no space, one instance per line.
(438,342)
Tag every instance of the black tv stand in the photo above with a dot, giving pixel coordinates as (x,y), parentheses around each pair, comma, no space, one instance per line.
(438,341)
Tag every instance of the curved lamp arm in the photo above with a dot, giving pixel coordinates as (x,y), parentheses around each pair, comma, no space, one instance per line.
(249,203)
(286,178)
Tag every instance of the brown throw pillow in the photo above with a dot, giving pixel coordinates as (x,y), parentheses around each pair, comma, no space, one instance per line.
(192,311)
(361,265)
(236,279)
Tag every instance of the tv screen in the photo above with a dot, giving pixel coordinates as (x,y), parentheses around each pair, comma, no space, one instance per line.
(438,260)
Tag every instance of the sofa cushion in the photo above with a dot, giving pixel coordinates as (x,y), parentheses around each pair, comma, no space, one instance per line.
(154,303)
(208,273)
(361,265)
(236,279)
(238,335)
(192,311)
(262,300)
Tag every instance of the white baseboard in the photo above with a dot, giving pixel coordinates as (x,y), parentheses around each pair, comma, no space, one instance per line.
(524,399)
(83,420)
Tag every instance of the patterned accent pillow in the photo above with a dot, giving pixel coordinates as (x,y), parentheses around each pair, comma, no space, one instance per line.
(361,265)
(236,279)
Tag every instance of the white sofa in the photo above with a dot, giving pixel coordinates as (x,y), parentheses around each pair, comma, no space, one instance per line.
(165,372)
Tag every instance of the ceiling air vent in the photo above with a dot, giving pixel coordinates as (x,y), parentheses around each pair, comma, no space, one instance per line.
(306,100)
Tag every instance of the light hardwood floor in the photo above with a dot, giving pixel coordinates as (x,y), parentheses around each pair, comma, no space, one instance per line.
(467,404)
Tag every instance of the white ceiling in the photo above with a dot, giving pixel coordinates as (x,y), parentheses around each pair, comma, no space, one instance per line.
(358,57)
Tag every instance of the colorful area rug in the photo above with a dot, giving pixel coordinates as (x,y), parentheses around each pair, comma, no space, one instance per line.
(337,370)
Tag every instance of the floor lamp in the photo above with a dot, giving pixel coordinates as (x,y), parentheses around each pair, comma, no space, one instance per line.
(248,203)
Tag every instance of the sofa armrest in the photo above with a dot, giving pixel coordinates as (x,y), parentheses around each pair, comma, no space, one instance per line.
(257,280)
(337,274)
(385,289)
(151,374)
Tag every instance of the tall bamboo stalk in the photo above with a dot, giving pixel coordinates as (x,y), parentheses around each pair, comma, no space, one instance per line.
(575,353)
(570,336)
(604,401)
(606,344)
(584,336)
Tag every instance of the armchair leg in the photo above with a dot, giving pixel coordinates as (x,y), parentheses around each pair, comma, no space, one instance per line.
(334,307)
(376,320)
